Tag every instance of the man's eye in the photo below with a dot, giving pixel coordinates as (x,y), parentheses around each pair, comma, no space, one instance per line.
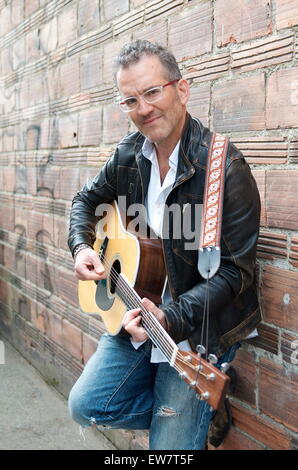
(130,101)
(152,93)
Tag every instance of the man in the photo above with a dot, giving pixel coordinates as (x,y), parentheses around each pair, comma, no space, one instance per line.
(126,384)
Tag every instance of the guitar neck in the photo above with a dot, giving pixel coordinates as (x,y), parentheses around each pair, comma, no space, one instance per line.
(154,329)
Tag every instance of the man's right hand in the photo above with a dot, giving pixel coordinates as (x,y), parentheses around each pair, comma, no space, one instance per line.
(88,266)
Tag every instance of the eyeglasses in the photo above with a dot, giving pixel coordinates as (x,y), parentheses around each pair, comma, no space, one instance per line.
(150,96)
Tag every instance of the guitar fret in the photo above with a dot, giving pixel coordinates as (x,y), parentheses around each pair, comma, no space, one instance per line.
(155,331)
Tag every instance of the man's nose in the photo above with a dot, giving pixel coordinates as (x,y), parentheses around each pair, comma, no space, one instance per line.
(144,108)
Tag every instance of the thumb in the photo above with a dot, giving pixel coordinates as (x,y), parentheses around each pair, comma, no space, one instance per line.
(97,264)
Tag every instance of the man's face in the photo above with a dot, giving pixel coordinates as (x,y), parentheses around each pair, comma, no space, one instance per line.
(161,121)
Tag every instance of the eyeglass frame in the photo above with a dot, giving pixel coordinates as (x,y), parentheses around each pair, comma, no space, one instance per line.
(161,87)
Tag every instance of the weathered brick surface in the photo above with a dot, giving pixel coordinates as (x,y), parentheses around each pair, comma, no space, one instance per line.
(282,99)
(281,198)
(286,13)
(239,104)
(59,123)
(280,297)
(245,366)
(247,20)
(281,407)
(190,34)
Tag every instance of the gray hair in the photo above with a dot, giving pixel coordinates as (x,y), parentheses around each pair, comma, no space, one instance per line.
(132,52)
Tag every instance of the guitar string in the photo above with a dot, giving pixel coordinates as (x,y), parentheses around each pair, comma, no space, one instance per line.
(148,317)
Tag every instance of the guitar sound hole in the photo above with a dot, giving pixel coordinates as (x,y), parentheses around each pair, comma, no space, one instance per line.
(115,271)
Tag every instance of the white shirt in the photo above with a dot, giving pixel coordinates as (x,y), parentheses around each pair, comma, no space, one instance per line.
(155,204)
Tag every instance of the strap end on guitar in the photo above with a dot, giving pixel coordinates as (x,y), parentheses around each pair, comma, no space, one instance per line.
(208,261)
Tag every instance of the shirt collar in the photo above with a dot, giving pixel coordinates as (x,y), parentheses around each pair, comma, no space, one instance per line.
(149,152)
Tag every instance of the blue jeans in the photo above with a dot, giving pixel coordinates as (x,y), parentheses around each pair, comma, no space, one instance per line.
(121,389)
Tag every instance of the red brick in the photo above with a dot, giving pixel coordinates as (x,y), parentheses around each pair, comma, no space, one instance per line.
(52,83)
(39,316)
(268,52)
(18,53)
(91,69)
(289,348)
(32,46)
(278,394)
(90,127)
(113,8)
(89,346)
(279,296)
(67,287)
(190,33)
(6,61)
(5,20)
(137,3)
(88,15)
(111,50)
(68,131)
(267,339)
(286,13)
(248,20)
(261,429)
(69,182)
(207,68)
(7,217)
(245,366)
(293,257)
(49,36)
(31,6)
(67,24)
(72,339)
(70,77)
(199,102)
(239,104)
(60,233)
(263,149)
(115,124)
(54,327)
(281,199)
(17,12)
(282,99)
(236,440)
(153,31)
(47,181)
(37,92)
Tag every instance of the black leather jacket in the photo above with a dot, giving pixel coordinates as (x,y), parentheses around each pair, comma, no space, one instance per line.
(234,310)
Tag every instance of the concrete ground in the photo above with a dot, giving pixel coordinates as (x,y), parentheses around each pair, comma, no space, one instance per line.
(34,416)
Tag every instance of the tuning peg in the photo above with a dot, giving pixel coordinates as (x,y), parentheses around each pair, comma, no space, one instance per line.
(205,395)
(200,349)
(224,367)
(211,376)
(183,375)
(212,359)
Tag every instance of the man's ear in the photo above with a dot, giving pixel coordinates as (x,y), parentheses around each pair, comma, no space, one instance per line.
(183,90)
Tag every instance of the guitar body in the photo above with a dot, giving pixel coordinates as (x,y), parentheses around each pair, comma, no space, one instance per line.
(138,259)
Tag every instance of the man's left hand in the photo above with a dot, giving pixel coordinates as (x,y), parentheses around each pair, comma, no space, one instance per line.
(133,318)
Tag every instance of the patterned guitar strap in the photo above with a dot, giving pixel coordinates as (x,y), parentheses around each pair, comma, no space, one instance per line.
(209,248)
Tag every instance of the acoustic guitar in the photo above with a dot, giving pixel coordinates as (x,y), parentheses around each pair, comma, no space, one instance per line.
(135,268)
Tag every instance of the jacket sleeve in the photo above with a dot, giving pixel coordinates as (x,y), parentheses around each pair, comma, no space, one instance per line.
(240,229)
(82,216)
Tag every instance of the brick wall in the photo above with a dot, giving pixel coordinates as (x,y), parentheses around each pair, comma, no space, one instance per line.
(58,124)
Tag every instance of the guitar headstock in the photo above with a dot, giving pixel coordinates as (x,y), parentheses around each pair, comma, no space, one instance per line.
(208,381)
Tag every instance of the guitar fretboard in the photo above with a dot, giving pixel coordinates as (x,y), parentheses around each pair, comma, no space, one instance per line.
(154,329)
